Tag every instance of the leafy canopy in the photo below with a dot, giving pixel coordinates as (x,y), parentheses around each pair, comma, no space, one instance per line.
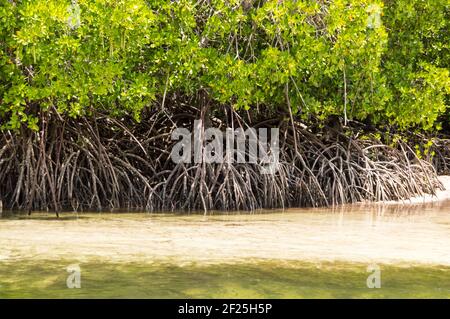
(383,61)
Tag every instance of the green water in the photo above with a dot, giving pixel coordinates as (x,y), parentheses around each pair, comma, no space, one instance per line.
(298,253)
(256,279)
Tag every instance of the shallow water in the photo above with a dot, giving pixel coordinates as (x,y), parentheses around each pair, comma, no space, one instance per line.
(293,253)
(255,279)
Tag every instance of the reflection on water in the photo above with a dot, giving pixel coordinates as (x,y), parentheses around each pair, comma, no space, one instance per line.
(379,209)
(357,233)
(315,252)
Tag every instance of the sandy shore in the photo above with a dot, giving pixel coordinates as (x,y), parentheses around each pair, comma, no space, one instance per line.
(441,195)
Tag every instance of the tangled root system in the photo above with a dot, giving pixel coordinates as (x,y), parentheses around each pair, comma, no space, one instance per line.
(104,163)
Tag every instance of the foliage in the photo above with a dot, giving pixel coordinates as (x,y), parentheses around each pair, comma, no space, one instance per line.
(417,63)
(383,62)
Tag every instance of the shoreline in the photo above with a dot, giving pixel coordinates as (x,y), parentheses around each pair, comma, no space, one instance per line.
(441,195)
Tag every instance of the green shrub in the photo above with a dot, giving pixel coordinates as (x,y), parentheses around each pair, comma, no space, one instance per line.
(385,62)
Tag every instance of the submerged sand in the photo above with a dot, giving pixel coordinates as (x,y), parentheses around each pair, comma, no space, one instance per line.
(358,233)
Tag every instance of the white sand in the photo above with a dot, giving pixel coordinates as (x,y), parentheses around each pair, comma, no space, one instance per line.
(440,195)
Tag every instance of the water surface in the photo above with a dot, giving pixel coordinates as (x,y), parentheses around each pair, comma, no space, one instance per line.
(293,253)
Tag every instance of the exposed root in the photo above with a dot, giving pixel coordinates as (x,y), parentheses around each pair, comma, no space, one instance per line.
(104,163)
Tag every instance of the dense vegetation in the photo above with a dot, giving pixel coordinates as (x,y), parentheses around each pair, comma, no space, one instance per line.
(361,59)
(91,89)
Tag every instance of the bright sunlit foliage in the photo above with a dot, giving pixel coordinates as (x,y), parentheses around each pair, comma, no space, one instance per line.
(382,61)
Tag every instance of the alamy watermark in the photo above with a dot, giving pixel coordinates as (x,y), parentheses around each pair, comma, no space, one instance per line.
(374,279)
(211,145)
(74,278)
(74,11)
(374,16)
